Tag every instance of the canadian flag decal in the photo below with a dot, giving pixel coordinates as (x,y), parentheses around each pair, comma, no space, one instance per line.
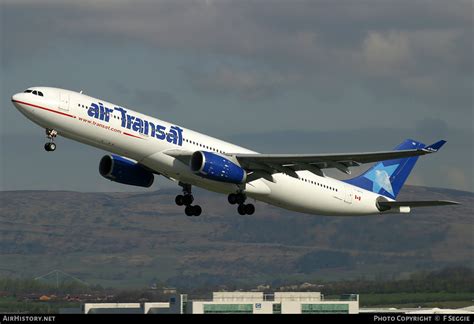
(357,197)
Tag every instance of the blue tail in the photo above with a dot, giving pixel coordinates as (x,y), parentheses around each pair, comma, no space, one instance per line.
(387,177)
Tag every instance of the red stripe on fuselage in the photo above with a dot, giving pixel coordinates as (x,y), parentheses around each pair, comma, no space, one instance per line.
(44,108)
(61,113)
(132,135)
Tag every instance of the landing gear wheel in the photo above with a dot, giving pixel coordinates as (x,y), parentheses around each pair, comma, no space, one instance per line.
(49,147)
(238,198)
(232,198)
(188,199)
(193,210)
(241,209)
(241,198)
(189,210)
(179,200)
(249,209)
(197,210)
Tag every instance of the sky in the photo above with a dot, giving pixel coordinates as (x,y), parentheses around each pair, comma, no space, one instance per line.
(275,76)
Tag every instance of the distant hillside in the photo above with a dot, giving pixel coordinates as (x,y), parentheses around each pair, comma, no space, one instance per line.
(134,239)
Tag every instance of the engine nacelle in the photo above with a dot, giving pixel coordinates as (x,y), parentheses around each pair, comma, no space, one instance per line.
(216,167)
(121,170)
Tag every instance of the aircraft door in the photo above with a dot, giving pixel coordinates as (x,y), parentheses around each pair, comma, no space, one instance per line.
(348,194)
(64,101)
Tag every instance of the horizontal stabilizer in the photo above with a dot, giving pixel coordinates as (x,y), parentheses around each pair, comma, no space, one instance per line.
(395,204)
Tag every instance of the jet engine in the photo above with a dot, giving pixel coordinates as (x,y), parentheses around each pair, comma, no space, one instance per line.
(121,170)
(216,167)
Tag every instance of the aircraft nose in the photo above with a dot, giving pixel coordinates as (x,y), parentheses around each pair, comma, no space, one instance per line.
(16,97)
(17,100)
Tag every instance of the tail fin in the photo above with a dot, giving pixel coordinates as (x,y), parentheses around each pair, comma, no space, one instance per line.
(388,177)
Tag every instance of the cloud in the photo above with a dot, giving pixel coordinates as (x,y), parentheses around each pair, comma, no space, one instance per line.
(411,52)
(432,129)
(457,178)
(418,64)
(414,51)
(158,100)
(161,100)
(248,84)
(387,55)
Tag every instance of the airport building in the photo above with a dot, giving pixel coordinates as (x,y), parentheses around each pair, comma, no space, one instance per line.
(233,303)
(254,303)
(276,303)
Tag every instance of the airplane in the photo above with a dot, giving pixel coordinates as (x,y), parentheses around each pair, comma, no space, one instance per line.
(142,147)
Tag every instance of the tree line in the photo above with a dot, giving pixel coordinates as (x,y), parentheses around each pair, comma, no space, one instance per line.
(452,280)
(449,280)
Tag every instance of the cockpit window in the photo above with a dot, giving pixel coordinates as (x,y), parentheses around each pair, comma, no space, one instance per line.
(35,92)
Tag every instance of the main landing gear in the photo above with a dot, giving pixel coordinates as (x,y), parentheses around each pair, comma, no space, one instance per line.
(187,199)
(239,198)
(50,134)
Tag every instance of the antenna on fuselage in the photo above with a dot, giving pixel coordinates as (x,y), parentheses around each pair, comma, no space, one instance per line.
(81,91)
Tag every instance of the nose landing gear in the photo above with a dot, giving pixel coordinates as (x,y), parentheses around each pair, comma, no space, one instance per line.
(50,147)
(50,134)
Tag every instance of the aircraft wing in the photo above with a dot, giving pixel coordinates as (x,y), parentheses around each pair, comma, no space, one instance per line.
(181,155)
(264,165)
(289,163)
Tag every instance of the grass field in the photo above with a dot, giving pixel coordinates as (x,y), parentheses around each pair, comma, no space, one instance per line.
(440,300)
(13,305)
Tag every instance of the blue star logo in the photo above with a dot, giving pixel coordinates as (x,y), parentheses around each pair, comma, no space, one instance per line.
(380,177)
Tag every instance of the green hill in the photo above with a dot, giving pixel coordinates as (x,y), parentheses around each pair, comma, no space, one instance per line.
(133,239)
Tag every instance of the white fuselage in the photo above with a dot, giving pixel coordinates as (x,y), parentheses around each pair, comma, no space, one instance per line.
(146,139)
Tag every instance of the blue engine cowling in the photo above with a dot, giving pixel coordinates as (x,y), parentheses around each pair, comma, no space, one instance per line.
(216,167)
(121,170)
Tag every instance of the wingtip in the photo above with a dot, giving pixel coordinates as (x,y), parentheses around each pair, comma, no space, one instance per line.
(435,147)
